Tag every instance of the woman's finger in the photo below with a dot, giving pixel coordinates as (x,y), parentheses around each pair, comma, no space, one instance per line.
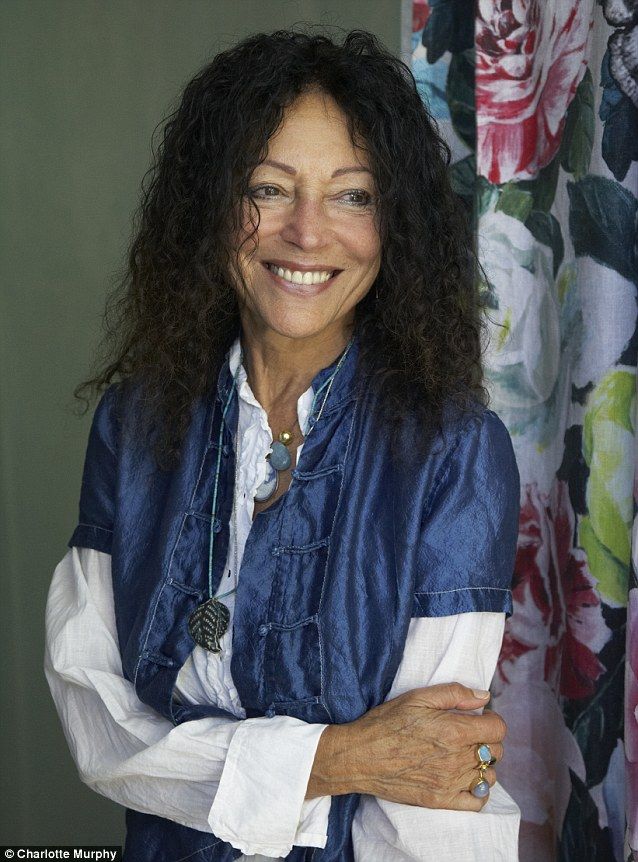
(475,729)
(496,750)
(464,801)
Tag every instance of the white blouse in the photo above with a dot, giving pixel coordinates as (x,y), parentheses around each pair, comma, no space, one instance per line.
(246,779)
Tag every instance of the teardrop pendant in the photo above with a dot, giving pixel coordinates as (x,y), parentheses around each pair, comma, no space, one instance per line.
(280,457)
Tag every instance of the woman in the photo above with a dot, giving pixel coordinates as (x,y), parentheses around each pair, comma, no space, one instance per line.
(298,518)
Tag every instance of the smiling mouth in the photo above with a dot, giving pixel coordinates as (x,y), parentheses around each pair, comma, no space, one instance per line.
(301,277)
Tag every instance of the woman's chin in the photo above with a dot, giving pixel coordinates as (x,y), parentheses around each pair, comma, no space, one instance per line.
(294,323)
(297,330)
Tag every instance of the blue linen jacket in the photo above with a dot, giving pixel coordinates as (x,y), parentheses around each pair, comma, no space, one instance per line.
(331,575)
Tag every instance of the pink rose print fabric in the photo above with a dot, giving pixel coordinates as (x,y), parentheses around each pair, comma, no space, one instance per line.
(530,58)
(558,611)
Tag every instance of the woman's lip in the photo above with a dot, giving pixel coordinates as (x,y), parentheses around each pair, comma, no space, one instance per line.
(292,266)
(301,289)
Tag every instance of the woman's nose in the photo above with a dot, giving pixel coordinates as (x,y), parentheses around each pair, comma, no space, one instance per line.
(306,223)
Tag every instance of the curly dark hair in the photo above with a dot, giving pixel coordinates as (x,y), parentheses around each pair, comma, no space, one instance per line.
(174,312)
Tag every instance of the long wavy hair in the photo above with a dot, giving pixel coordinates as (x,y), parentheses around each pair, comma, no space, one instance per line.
(174,312)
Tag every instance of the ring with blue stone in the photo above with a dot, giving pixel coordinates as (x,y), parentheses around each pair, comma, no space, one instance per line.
(484,754)
(480,787)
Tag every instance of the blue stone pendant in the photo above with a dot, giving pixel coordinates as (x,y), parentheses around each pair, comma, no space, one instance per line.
(280,456)
(479,788)
(268,486)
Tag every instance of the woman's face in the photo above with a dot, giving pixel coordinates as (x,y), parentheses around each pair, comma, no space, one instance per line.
(318,249)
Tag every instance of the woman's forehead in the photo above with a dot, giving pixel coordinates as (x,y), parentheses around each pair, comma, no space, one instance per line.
(315,130)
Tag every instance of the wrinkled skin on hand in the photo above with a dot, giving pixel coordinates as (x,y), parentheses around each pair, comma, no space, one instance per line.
(415,749)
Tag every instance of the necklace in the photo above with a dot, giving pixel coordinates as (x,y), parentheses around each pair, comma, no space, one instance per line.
(277,461)
(209,621)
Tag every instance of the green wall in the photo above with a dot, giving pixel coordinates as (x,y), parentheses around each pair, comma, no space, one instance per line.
(84,83)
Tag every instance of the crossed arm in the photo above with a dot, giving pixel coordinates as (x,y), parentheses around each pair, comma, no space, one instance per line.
(411,757)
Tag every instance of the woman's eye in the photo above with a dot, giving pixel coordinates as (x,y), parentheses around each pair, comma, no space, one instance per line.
(359,197)
(260,191)
(354,197)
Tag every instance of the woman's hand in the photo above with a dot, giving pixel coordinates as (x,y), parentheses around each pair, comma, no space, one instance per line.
(411,750)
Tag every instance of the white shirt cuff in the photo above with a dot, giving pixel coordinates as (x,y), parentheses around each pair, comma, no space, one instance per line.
(260,804)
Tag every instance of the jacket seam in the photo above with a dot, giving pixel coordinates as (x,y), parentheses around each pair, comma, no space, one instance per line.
(334,516)
(159,595)
(203,458)
(271,652)
(109,395)
(325,568)
(170,562)
(335,406)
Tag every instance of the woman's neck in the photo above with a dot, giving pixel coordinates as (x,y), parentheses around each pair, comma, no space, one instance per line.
(280,369)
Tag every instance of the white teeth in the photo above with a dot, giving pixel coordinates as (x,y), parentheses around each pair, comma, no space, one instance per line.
(298,277)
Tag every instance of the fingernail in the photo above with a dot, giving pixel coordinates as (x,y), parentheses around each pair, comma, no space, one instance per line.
(478,692)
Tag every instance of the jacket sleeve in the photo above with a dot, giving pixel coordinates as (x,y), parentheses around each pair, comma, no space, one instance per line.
(463,649)
(467,546)
(99,479)
(126,751)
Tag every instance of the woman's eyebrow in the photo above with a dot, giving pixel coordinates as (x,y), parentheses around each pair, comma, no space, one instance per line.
(351,169)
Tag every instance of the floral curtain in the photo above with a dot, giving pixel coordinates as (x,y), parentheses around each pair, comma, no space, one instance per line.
(538,100)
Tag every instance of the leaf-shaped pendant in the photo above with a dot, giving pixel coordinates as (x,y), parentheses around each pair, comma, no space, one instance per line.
(208,624)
